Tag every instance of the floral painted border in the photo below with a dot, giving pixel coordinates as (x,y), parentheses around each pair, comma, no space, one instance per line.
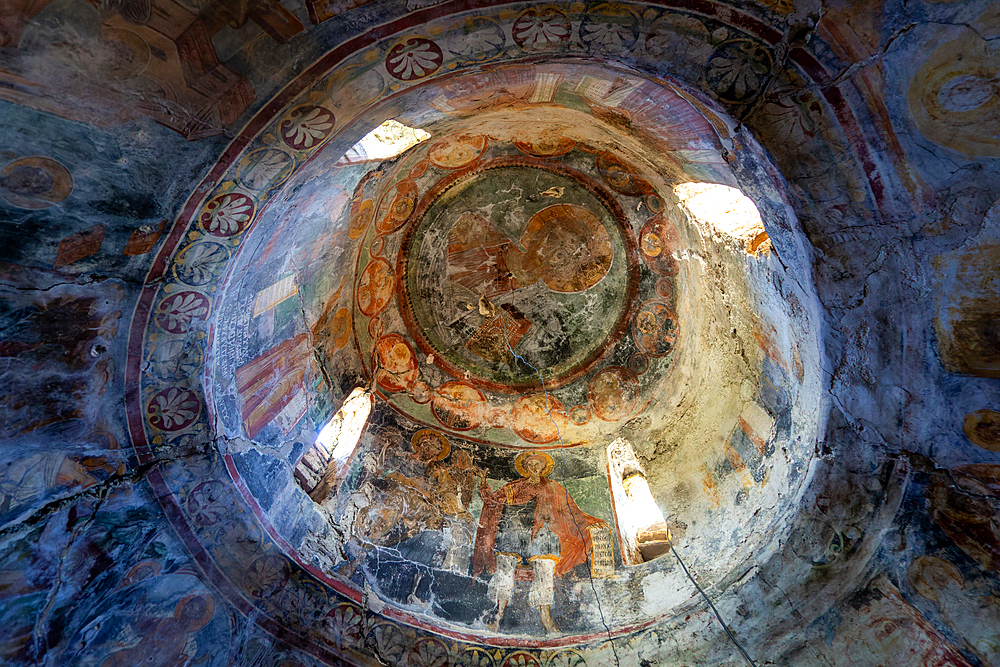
(169,340)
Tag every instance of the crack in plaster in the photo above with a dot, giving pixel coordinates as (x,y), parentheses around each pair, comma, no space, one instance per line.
(798,34)
(873,59)
(36,633)
(100,494)
(98,491)
(312,346)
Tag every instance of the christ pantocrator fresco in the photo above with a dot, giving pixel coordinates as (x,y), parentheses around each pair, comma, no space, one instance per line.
(511,292)
(563,245)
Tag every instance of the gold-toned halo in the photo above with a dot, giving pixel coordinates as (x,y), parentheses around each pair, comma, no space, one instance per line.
(62,183)
(445,445)
(929,574)
(985,438)
(519,463)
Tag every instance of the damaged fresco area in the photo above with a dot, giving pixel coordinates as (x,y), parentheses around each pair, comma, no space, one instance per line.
(475,534)
(968,320)
(479,329)
(57,366)
(135,60)
(543,326)
(102,580)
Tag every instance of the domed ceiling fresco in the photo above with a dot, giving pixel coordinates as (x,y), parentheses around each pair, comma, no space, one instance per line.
(496,290)
(669,338)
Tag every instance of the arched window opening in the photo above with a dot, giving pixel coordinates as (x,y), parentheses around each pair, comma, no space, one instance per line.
(319,470)
(652,536)
(386,141)
(726,210)
(642,530)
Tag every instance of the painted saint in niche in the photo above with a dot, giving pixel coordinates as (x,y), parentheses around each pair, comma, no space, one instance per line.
(532,523)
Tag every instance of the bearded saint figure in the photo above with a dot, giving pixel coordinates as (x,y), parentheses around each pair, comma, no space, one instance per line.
(530,522)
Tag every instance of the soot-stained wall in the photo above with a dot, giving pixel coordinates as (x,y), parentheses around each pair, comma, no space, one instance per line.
(194,281)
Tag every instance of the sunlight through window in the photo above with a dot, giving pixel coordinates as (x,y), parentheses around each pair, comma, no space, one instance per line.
(386,141)
(643,509)
(726,210)
(325,463)
(642,530)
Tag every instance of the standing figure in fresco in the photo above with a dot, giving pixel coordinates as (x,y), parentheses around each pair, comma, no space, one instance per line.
(532,520)
(878,627)
(430,492)
(439,499)
(965,502)
(970,614)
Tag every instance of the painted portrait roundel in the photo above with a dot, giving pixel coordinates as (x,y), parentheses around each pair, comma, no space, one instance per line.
(397,364)
(545,145)
(375,288)
(516,273)
(459,406)
(361,216)
(658,239)
(457,152)
(579,414)
(396,206)
(655,328)
(539,418)
(621,176)
(35,182)
(612,393)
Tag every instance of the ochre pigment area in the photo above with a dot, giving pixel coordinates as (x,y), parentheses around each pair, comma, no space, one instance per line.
(449,333)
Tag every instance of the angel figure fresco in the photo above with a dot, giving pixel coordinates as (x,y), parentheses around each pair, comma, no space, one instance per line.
(425,501)
(530,522)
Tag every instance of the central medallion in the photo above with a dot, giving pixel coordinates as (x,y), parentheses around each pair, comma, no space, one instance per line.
(516,274)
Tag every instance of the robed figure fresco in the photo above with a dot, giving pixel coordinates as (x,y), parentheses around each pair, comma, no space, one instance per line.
(530,522)
(438,499)
(422,503)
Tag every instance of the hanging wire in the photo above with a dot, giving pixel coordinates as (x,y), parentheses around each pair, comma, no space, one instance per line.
(746,655)
(559,440)
(669,537)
